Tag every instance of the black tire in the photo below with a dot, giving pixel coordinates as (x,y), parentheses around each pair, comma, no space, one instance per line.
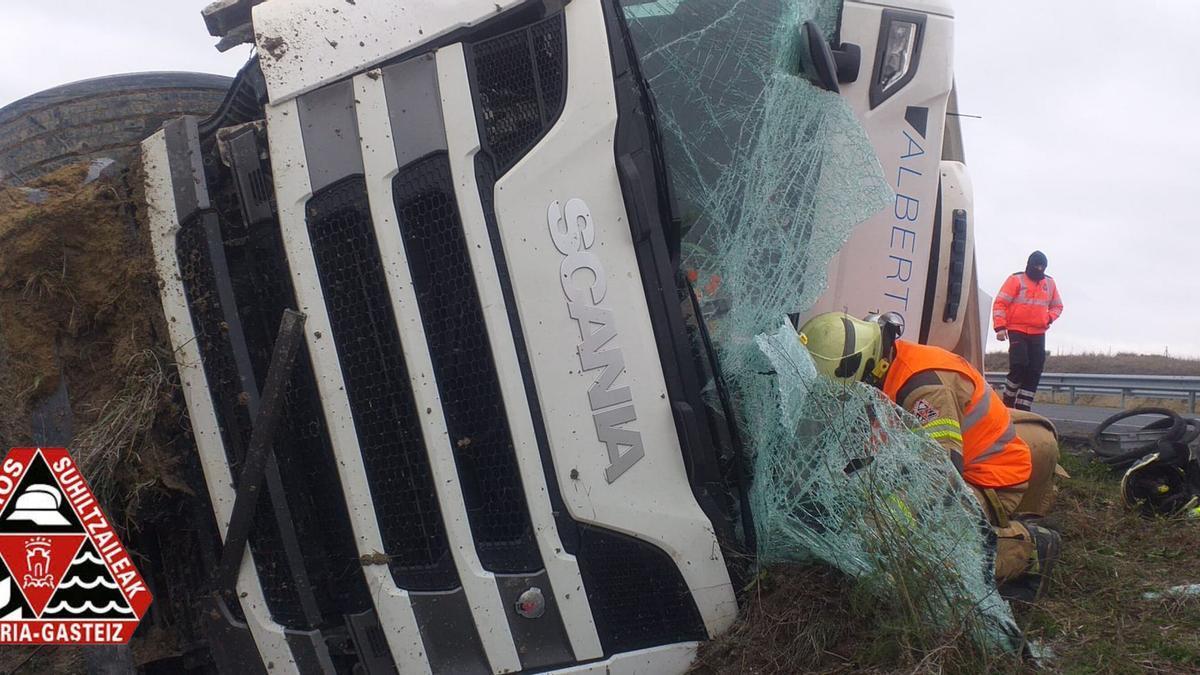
(1172,426)
(101,117)
(1192,432)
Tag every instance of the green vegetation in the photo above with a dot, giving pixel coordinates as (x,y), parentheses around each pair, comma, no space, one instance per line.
(800,619)
(1095,619)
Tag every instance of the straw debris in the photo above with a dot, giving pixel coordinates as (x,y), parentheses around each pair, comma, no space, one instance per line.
(79,311)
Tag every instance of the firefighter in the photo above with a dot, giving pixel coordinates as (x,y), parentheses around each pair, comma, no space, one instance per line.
(958,409)
(1026,305)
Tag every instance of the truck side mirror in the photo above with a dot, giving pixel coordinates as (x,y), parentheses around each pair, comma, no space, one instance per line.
(848,57)
(824,66)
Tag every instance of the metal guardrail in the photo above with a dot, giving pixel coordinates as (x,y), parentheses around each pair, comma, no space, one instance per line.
(1185,387)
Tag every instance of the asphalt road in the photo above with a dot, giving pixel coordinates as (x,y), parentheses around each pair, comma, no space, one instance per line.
(1078,422)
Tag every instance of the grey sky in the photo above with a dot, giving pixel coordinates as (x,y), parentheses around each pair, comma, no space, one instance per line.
(1088,148)
(46,43)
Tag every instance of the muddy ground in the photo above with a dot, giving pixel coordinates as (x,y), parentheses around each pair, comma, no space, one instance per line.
(80,316)
(79,310)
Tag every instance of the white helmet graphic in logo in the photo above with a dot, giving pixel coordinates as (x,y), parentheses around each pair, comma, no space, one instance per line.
(39,503)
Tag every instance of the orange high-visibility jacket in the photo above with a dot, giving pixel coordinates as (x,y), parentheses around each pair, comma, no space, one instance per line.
(1025,305)
(993,455)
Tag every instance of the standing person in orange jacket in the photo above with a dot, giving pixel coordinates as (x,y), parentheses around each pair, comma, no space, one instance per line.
(1026,305)
(1007,459)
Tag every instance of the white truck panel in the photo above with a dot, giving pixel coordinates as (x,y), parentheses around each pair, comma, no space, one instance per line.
(307,43)
(462,139)
(652,500)
(956,194)
(883,267)
(380,165)
(942,7)
(164,225)
(666,660)
(292,190)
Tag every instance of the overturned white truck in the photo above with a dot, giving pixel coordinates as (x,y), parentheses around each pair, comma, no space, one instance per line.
(494,453)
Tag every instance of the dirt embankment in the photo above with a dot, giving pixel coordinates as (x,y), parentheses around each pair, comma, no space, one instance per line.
(1123,363)
(79,309)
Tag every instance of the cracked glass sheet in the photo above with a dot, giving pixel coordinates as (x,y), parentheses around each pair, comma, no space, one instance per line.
(844,476)
(770,174)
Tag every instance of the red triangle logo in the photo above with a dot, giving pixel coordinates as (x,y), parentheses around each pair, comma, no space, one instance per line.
(62,557)
(38,562)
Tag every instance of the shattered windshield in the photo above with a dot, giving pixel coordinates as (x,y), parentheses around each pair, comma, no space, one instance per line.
(766,170)
(770,175)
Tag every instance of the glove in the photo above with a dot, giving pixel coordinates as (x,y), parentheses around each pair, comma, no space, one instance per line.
(1002,335)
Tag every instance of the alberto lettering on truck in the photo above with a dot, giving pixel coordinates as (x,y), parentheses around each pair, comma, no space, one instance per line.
(903,244)
(574,233)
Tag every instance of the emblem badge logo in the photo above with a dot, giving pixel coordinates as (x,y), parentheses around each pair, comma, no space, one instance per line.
(924,411)
(65,578)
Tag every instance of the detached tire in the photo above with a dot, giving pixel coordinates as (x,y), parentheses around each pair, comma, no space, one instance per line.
(1171,425)
(101,117)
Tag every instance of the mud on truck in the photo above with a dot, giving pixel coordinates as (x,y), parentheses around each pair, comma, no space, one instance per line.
(448,376)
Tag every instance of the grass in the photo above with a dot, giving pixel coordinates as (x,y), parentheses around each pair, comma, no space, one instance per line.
(121,430)
(809,619)
(813,619)
(1095,619)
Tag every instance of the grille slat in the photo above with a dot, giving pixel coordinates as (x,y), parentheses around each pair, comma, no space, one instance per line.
(220,371)
(303,452)
(386,419)
(464,368)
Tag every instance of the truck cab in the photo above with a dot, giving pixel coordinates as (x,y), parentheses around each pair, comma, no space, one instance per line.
(917,257)
(497,451)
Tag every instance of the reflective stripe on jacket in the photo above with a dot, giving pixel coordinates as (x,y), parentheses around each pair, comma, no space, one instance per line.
(993,455)
(1025,305)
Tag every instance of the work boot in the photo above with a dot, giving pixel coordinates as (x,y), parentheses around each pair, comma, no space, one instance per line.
(1029,587)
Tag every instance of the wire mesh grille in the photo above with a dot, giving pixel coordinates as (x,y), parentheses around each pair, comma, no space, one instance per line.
(468,384)
(520,80)
(638,596)
(307,466)
(230,404)
(378,386)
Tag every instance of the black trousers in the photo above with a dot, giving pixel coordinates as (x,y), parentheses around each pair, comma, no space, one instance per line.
(1026,360)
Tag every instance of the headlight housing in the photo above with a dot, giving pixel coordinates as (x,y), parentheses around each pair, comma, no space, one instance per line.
(897,53)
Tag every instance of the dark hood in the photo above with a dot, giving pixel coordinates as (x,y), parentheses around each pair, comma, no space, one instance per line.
(1036,258)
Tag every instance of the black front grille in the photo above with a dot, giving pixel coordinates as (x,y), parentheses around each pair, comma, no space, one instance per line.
(549,54)
(638,596)
(377,384)
(520,82)
(452,317)
(307,467)
(230,403)
(180,546)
